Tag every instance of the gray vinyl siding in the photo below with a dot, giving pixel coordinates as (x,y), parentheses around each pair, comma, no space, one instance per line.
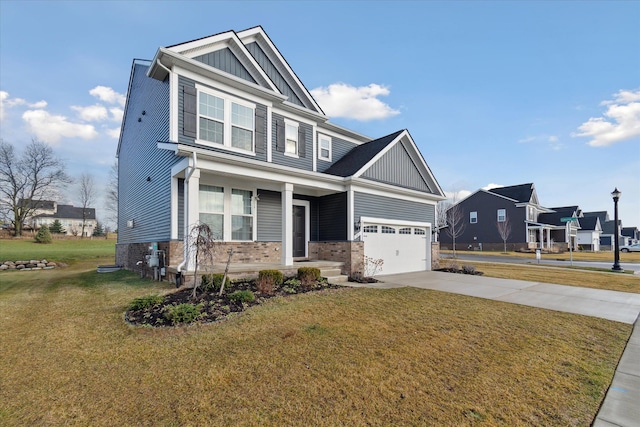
(332,217)
(397,168)
(180,212)
(273,73)
(269,216)
(372,205)
(260,137)
(277,157)
(339,147)
(144,171)
(226,61)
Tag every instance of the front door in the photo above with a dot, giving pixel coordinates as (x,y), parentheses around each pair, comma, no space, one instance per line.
(299,232)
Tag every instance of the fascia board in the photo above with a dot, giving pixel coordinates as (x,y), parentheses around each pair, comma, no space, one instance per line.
(382,189)
(200,43)
(341,132)
(304,111)
(199,68)
(258,35)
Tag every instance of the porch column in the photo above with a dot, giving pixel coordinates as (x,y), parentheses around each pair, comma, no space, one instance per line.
(191,209)
(548,238)
(287,224)
(541,234)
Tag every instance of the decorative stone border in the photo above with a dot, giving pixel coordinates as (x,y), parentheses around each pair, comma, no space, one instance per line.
(33,264)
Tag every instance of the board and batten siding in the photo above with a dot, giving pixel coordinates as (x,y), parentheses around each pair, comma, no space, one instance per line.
(339,147)
(397,168)
(226,61)
(299,162)
(332,217)
(260,128)
(375,206)
(144,171)
(269,216)
(273,73)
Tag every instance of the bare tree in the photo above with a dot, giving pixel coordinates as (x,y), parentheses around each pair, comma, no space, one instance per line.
(87,194)
(111,193)
(27,180)
(441,214)
(201,243)
(455,224)
(504,229)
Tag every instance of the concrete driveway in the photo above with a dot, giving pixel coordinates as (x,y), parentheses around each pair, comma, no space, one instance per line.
(620,406)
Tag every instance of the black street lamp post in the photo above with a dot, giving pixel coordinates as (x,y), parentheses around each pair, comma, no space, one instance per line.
(616,249)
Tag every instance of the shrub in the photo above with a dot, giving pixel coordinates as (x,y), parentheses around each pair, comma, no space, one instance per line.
(43,236)
(468,269)
(242,296)
(183,313)
(57,228)
(148,301)
(212,282)
(308,276)
(268,280)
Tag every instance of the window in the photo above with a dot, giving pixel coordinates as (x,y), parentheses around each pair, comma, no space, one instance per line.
(212,209)
(241,218)
(291,138)
(531,213)
(370,229)
(227,209)
(388,230)
(419,231)
(473,217)
(225,122)
(324,147)
(405,230)
(502,215)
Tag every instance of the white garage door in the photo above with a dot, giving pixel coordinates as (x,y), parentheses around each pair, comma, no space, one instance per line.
(402,247)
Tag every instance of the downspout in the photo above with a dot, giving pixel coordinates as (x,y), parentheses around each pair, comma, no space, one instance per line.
(186,208)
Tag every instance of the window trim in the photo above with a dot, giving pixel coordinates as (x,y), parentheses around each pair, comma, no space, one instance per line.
(321,138)
(473,215)
(227,130)
(504,218)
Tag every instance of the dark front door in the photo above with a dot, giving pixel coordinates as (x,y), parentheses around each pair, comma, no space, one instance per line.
(299,232)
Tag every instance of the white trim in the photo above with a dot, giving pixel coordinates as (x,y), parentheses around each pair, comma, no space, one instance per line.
(174,215)
(269,134)
(307,222)
(174,112)
(314,143)
(386,221)
(287,221)
(322,136)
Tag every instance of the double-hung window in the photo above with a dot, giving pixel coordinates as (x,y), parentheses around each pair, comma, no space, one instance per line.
(291,138)
(502,215)
(324,147)
(473,217)
(225,121)
(227,211)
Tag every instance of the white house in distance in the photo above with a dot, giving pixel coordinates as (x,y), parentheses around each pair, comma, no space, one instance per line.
(70,217)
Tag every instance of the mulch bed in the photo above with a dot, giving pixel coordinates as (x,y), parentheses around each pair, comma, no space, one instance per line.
(214,307)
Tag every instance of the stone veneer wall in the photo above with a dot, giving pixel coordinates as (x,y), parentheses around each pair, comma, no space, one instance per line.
(435,255)
(350,253)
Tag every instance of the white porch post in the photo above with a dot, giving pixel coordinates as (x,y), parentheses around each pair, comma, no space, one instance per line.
(287,224)
(548,238)
(541,234)
(350,216)
(192,210)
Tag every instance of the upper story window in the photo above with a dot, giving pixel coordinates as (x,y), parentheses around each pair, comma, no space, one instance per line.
(473,217)
(291,138)
(324,147)
(502,215)
(531,213)
(225,121)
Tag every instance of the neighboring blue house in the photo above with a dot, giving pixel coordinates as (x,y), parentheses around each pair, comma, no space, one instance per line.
(221,130)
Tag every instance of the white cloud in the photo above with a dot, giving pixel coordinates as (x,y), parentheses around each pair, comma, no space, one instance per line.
(116,114)
(359,103)
(108,95)
(621,121)
(7,102)
(92,113)
(491,186)
(51,128)
(457,196)
(553,141)
(114,133)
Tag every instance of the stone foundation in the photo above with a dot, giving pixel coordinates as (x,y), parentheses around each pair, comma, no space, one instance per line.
(350,253)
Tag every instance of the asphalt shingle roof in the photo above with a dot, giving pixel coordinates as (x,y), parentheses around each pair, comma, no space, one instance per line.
(359,156)
(521,193)
(553,218)
(70,212)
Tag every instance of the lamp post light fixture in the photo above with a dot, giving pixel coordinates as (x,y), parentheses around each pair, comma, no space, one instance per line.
(616,248)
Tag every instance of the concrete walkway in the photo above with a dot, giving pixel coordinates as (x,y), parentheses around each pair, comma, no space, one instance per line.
(621,406)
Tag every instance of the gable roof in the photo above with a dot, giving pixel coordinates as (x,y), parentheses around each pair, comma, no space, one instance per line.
(70,212)
(522,193)
(590,223)
(603,215)
(359,156)
(37,204)
(554,218)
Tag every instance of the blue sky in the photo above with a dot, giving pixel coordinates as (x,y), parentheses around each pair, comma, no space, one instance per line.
(493,93)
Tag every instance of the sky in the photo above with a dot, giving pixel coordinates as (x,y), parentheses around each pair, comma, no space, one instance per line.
(493,93)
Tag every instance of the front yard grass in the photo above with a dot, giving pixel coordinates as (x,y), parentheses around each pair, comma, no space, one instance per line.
(604,256)
(60,250)
(350,357)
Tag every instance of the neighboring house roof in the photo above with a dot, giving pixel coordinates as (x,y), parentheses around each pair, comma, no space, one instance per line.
(554,218)
(632,232)
(359,156)
(38,204)
(590,223)
(70,212)
(521,193)
(603,215)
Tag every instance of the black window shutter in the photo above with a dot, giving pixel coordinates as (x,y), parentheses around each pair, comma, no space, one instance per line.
(261,130)
(280,135)
(302,142)
(190,111)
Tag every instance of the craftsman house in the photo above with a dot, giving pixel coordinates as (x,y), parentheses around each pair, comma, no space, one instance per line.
(516,209)
(221,130)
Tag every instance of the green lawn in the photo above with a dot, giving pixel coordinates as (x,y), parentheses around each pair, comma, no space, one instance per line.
(67,251)
(347,357)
